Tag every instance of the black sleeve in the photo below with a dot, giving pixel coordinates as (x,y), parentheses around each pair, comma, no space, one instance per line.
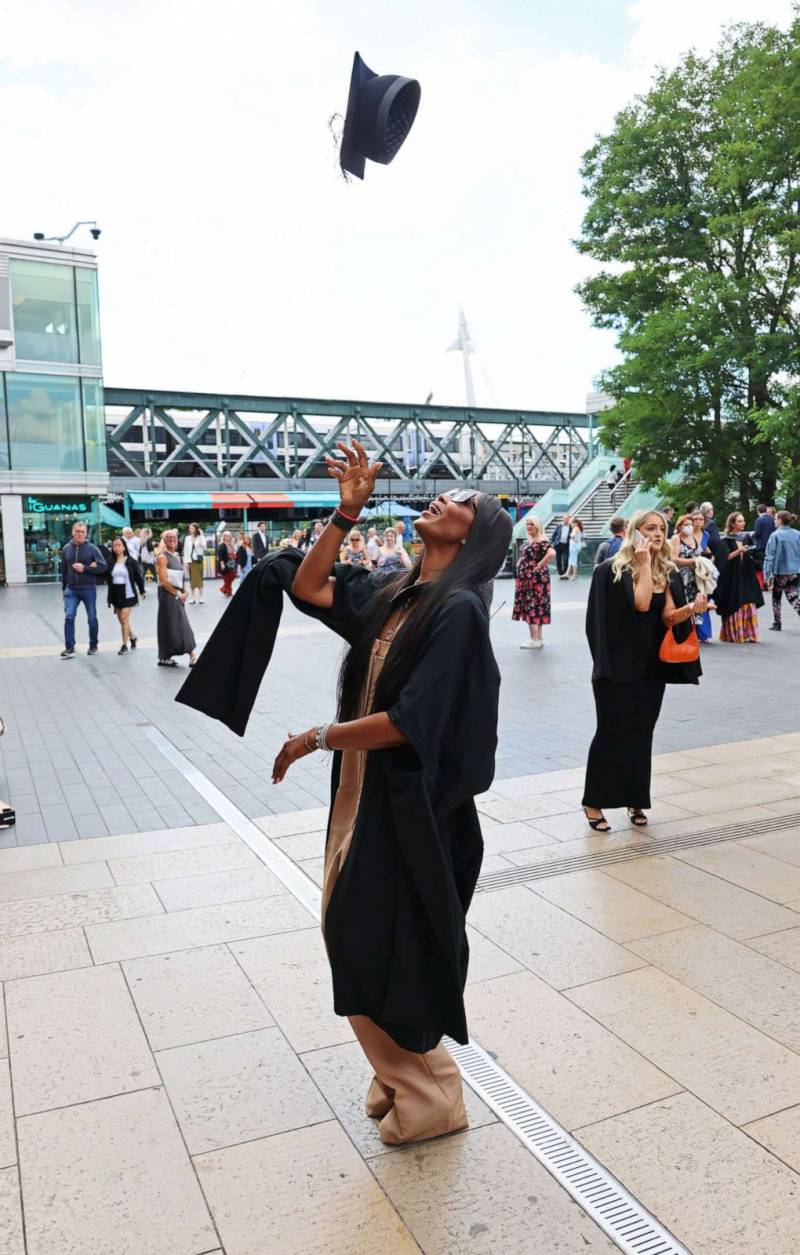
(448,705)
(99,557)
(135,572)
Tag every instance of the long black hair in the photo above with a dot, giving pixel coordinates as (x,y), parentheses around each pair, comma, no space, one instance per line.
(474,567)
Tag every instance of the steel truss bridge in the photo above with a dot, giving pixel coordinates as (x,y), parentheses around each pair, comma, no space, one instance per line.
(207,441)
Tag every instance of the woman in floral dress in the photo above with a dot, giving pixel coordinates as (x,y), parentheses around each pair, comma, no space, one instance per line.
(532,598)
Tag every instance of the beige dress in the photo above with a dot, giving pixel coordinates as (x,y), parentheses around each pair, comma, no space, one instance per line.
(351,781)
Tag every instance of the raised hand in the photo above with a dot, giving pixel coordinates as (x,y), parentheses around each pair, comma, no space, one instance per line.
(355,475)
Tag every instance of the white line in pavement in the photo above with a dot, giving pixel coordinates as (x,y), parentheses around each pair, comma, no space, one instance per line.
(622,1217)
(142,642)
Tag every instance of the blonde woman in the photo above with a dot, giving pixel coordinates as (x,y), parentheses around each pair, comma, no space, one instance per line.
(576,543)
(354,550)
(632,600)
(194,552)
(392,556)
(532,593)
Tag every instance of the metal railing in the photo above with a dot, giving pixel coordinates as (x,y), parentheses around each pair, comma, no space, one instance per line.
(232,439)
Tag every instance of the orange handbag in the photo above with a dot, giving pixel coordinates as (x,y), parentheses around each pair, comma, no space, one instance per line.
(679,651)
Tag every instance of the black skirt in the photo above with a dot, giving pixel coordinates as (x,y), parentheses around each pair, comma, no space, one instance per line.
(620,756)
(117,598)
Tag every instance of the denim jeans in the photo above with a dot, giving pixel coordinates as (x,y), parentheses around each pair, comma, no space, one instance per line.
(73,597)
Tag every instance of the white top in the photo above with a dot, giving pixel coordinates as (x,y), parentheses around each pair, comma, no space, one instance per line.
(373,547)
(119,575)
(134,545)
(194,548)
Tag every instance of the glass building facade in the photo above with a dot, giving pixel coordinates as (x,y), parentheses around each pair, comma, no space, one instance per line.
(52,428)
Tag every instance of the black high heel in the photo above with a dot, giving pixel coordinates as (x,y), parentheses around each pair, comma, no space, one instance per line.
(7,817)
(600,824)
(637,817)
(133,641)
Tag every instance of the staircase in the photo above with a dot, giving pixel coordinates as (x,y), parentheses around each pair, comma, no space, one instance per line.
(601,504)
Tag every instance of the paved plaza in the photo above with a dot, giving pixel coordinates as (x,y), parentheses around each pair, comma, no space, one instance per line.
(173,1080)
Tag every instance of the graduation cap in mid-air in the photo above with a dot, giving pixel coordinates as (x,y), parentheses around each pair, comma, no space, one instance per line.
(380,112)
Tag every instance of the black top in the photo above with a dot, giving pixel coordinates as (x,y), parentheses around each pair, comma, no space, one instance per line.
(134,575)
(738,583)
(762,530)
(622,640)
(87,553)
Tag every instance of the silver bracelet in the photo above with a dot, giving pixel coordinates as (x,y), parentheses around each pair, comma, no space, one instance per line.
(322,737)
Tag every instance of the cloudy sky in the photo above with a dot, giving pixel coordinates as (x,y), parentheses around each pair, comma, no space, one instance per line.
(233,256)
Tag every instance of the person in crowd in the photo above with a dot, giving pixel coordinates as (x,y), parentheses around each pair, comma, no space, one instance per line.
(316,532)
(133,543)
(124,576)
(355,551)
(413,740)
(738,595)
(81,564)
(712,530)
(392,557)
(173,630)
(669,515)
(627,466)
(686,550)
(532,592)
(400,529)
(299,539)
(260,542)
(763,528)
(147,557)
(632,600)
(691,506)
(699,532)
(608,548)
(194,552)
(611,477)
(373,545)
(226,563)
(559,539)
(244,555)
(782,565)
(576,543)
(8,816)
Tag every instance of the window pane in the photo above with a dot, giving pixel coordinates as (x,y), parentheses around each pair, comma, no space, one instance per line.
(44,418)
(3,429)
(88,315)
(94,425)
(43,300)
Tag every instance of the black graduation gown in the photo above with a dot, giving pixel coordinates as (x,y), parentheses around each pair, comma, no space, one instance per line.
(395,923)
(613,632)
(738,583)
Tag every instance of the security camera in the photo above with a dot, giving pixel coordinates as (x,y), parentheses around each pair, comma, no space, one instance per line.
(38,235)
(95,233)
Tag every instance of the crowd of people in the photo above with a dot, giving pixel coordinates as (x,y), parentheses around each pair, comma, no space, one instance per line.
(175,567)
(731,569)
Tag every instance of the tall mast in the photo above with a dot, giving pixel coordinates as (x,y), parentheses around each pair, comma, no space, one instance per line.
(463,343)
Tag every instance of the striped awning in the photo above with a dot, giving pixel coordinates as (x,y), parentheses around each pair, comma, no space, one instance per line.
(156,500)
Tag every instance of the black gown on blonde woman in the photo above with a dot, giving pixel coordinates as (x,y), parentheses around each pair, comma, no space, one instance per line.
(628,681)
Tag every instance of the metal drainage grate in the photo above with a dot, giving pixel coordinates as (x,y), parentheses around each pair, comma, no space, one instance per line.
(633,1230)
(601,1196)
(663,845)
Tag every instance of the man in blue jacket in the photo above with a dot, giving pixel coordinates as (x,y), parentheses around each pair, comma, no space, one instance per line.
(81,563)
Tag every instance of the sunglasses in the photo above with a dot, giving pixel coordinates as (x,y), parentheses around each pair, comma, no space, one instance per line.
(461,495)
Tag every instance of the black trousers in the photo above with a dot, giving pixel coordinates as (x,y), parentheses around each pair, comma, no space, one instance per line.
(562,558)
(620,756)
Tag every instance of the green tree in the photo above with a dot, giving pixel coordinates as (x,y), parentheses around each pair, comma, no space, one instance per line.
(694,216)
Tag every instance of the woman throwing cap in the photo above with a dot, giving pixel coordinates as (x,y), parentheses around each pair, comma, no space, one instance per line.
(413,741)
(634,598)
